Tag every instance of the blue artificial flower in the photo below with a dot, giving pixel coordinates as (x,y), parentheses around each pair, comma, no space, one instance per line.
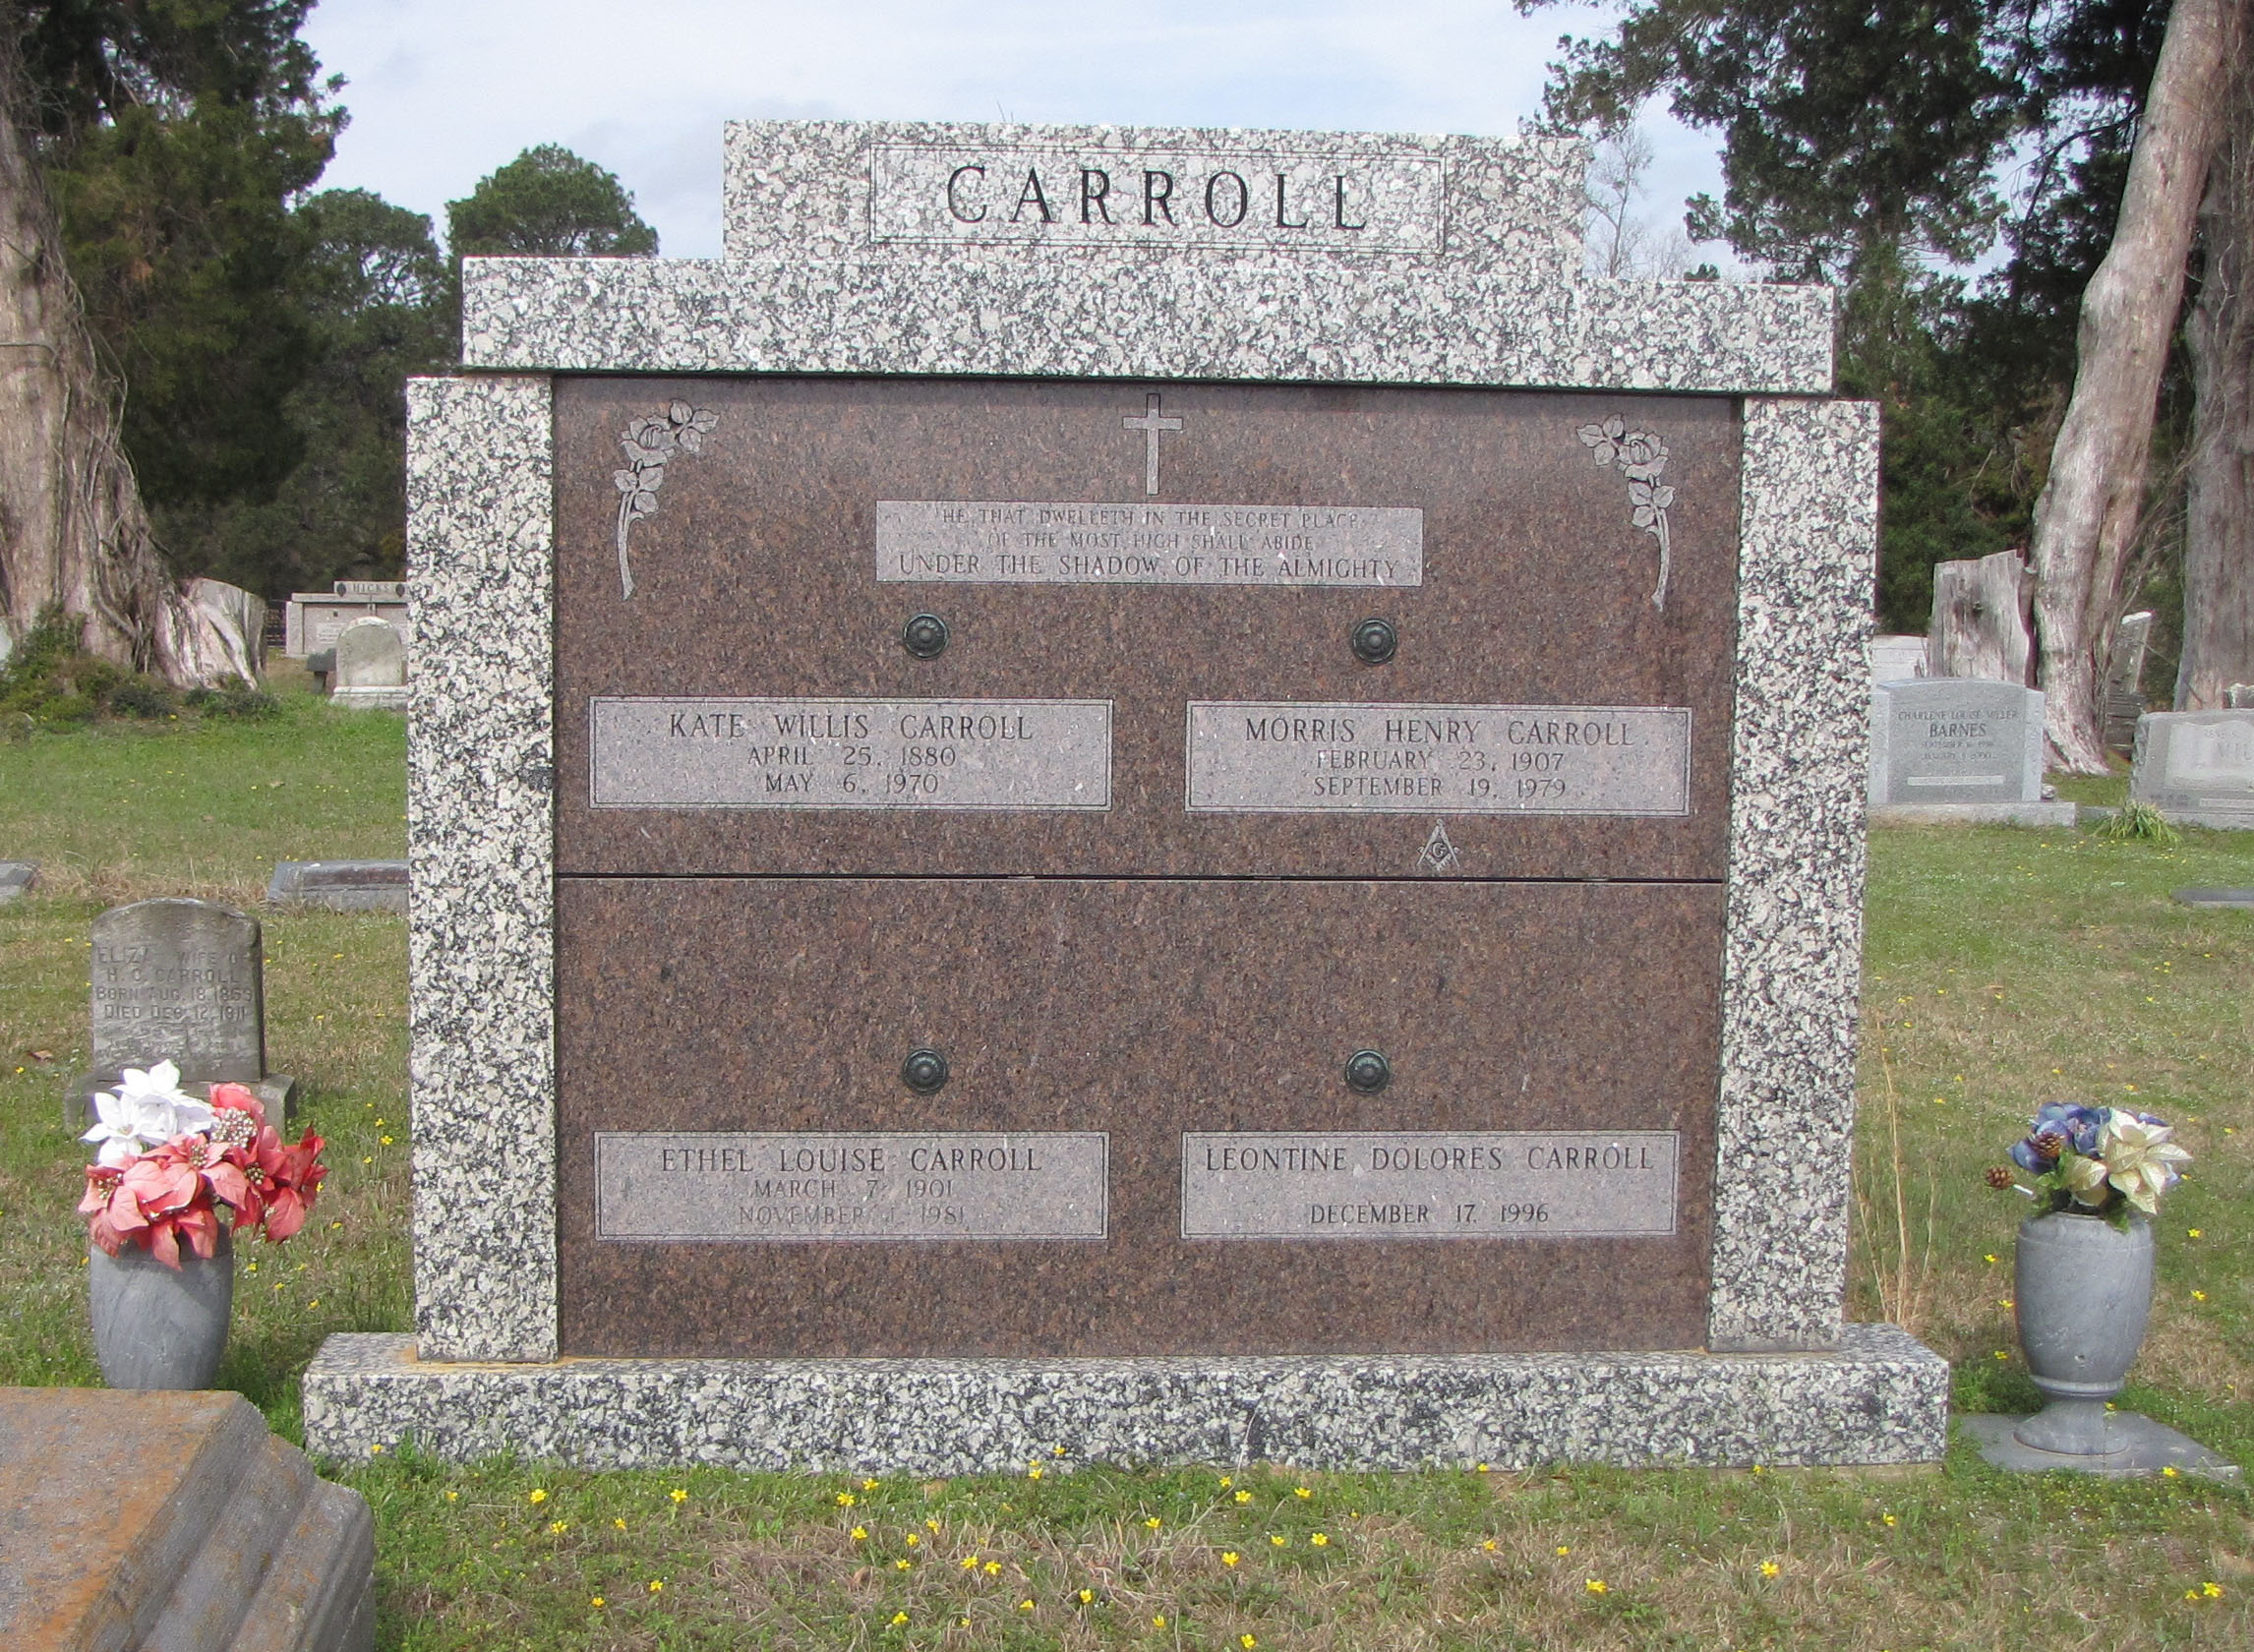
(2077,1125)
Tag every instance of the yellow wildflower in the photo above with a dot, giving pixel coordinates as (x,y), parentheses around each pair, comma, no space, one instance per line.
(898,1619)
(1596,1586)
(678,1495)
(1152,1523)
(1768,1569)
(657,1585)
(1320,1541)
(536,1497)
(860,1534)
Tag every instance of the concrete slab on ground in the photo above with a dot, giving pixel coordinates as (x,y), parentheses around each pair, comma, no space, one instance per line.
(173,1520)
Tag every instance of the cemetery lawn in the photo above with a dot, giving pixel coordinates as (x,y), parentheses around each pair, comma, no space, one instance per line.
(2003,967)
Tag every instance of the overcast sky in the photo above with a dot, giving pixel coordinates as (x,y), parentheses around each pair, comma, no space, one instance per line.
(442,92)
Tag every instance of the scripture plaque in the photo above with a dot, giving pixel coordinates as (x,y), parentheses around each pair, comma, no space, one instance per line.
(998,541)
(859,754)
(811,1184)
(1509,1184)
(1259,758)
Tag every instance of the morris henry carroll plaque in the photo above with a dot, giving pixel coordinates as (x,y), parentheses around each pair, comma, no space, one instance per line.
(1427,759)
(992,767)
(1428,1185)
(819,1186)
(871,754)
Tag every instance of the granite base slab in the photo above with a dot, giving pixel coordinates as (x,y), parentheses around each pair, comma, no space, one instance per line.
(2141,1447)
(1879,1397)
(2218,900)
(341,885)
(277,1094)
(1974,814)
(16,876)
(369,700)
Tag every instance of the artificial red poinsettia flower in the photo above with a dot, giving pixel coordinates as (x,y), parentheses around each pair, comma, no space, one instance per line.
(293,1178)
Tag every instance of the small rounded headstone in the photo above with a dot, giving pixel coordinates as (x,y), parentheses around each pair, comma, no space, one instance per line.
(369,655)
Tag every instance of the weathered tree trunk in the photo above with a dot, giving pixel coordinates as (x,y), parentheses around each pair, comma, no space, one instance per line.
(2219,500)
(1979,626)
(2087,511)
(73,532)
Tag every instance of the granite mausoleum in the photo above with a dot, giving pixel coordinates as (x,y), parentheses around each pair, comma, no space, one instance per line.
(1164,793)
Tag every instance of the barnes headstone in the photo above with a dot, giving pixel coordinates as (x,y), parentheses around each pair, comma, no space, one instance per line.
(1960,749)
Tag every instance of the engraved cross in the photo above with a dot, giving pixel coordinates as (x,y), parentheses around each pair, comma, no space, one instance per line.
(1149,424)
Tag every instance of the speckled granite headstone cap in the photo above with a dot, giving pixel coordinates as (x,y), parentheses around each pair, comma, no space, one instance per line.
(1346,320)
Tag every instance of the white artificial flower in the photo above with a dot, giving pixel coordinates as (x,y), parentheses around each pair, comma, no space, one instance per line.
(2140,1158)
(148,1109)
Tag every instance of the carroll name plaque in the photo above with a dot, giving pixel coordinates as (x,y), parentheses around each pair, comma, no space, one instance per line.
(818,1185)
(864,754)
(1006,542)
(1511,1184)
(1439,759)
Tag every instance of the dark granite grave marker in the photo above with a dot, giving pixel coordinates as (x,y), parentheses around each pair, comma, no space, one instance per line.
(1165,709)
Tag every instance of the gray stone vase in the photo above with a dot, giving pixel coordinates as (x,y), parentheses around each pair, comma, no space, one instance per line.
(2083,1289)
(157,1327)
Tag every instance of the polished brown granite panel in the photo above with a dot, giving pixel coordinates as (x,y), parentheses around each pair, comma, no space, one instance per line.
(755,574)
(1143,1009)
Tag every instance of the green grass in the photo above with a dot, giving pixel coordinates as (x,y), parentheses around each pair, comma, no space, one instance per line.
(2004,968)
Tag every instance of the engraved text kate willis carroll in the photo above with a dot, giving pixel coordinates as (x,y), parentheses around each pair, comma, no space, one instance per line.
(1251,758)
(659,753)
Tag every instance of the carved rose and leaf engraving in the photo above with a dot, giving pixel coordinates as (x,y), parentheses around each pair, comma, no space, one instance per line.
(1642,456)
(649,444)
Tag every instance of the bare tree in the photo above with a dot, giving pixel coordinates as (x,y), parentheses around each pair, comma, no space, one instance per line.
(1621,245)
(72,533)
(2219,505)
(2086,514)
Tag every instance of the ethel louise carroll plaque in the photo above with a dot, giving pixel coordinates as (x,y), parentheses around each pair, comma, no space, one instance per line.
(1074,868)
(822,1187)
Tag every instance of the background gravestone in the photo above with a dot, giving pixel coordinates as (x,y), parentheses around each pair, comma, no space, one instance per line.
(180,981)
(313,619)
(1893,657)
(371,667)
(2124,695)
(1956,749)
(2197,767)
